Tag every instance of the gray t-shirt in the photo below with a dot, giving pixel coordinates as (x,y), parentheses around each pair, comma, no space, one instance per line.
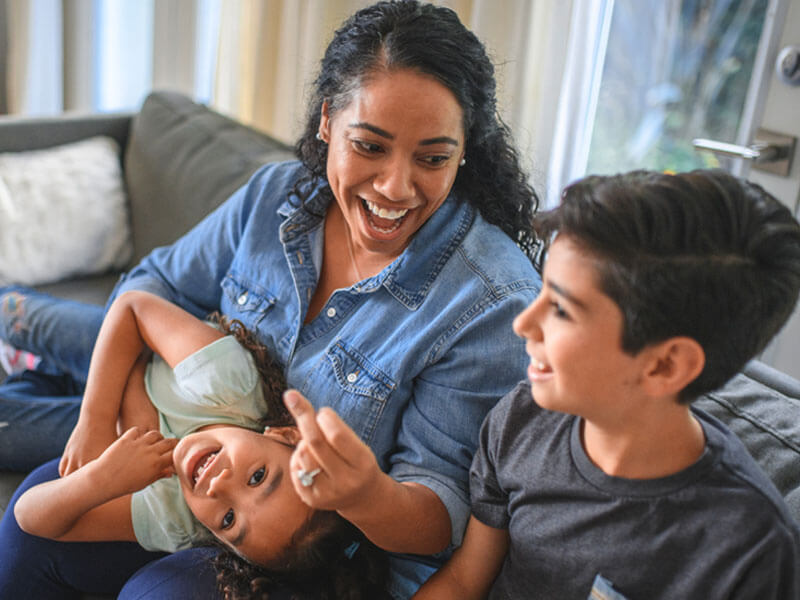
(718,529)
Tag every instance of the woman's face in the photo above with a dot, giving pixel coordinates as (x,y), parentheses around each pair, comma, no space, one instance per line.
(393,156)
(236,482)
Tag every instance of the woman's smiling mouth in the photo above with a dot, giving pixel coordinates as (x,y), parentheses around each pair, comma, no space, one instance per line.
(383,220)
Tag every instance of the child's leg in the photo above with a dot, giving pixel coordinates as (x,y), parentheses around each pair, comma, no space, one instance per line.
(37,414)
(61,332)
(185,575)
(32,567)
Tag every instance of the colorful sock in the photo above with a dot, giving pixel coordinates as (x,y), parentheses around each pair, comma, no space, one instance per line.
(14,361)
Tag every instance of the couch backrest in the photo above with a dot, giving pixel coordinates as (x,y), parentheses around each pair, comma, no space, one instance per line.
(182,160)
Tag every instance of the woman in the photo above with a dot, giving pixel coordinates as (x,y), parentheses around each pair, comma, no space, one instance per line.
(382,272)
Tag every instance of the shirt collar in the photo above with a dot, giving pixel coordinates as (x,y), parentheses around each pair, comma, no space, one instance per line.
(409,277)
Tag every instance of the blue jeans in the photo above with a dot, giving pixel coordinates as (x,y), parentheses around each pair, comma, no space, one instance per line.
(38,409)
(34,567)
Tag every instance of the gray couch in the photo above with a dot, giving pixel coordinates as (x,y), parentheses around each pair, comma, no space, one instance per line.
(181,160)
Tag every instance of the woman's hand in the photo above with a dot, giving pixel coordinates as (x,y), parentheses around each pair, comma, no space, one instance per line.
(86,442)
(136,459)
(400,517)
(348,471)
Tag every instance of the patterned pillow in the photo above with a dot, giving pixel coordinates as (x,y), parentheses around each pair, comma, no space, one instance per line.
(63,213)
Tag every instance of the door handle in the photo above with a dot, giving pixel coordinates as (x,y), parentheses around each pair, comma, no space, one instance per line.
(771,152)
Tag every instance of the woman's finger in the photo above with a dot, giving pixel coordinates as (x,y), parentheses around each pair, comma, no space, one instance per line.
(339,436)
(312,437)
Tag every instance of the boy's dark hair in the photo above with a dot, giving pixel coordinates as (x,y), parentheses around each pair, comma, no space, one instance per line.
(430,40)
(328,557)
(701,254)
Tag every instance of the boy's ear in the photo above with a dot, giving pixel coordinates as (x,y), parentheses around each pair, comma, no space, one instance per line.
(287,434)
(674,364)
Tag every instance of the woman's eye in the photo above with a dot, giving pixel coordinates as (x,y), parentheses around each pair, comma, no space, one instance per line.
(227,520)
(257,477)
(367,147)
(436,161)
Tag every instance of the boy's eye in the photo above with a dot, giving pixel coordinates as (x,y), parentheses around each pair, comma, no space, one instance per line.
(559,311)
(227,520)
(257,477)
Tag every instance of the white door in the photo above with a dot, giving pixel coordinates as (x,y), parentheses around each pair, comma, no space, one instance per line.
(781,113)
(668,71)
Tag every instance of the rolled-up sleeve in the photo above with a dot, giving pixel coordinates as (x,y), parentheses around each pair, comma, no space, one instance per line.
(439,429)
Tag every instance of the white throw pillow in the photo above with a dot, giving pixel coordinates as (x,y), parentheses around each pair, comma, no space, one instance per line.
(63,213)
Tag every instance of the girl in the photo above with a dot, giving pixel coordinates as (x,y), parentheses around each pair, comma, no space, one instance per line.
(228,476)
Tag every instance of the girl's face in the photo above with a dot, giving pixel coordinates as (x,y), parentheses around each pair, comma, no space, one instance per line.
(237,484)
(393,155)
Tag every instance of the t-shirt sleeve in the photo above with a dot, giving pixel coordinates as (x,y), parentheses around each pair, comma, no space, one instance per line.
(489,499)
(218,384)
(162,521)
(221,373)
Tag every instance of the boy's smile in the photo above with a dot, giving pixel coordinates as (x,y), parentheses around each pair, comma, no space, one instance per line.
(573,332)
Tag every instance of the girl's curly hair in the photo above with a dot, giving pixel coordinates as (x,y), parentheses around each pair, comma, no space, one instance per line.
(328,558)
(273,381)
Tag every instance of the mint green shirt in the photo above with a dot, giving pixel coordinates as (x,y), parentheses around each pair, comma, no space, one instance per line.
(218,384)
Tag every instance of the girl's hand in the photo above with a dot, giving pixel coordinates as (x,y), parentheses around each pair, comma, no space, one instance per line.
(86,442)
(348,471)
(136,459)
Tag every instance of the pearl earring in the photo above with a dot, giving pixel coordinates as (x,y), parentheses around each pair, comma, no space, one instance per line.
(463,162)
(267,428)
(319,137)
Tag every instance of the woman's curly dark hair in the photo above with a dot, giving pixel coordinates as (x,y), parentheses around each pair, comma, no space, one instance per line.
(328,558)
(407,34)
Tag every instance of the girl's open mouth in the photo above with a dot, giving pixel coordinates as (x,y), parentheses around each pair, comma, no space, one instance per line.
(200,465)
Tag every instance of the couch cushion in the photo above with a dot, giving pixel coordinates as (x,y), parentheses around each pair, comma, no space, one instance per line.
(182,161)
(63,212)
(762,406)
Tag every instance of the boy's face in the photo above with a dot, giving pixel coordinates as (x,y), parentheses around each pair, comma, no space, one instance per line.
(573,332)
(236,482)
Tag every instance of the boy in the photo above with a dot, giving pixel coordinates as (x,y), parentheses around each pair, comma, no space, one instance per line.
(657,288)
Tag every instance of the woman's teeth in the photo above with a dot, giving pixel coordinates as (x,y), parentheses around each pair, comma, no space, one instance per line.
(385,213)
(201,466)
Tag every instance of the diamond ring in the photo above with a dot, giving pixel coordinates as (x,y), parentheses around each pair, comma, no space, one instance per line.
(306,478)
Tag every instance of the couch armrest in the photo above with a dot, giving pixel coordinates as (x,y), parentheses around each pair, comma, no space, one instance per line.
(18,134)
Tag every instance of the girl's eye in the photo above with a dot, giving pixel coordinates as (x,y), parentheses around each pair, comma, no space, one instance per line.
(257,477)
(228,519)
(367,147)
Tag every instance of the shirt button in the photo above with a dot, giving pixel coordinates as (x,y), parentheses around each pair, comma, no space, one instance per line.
(352,377)
(242,299)
(331,312)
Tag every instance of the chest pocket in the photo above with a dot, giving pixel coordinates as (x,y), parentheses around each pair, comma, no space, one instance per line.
(244,300)
(365,389)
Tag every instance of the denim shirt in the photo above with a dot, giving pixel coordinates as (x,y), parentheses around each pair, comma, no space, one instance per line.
(412,358)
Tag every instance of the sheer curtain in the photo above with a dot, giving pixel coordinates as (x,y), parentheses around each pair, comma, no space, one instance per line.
(255,59)
(104,55)
(269,51)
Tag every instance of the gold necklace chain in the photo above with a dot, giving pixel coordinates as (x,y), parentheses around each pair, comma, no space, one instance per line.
(350,250)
